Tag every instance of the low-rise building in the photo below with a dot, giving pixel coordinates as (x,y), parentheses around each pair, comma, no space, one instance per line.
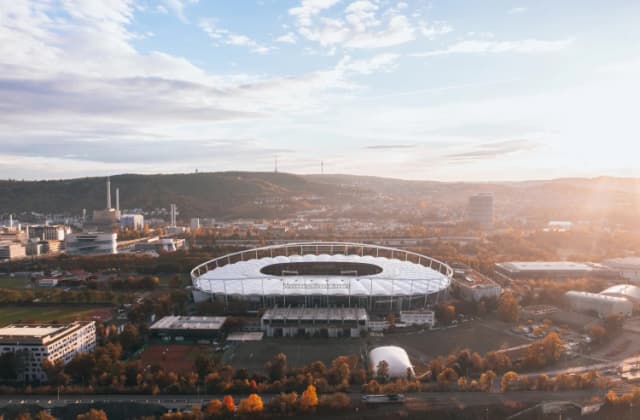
(515,270)
(474,286)
(35,343)
(190,328)
(426,318)
(628,267)
(91,243)
(324,322)
(12,250)
(48,232)
(603,305)
(132,221)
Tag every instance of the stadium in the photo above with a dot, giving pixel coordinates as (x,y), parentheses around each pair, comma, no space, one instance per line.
(323,274)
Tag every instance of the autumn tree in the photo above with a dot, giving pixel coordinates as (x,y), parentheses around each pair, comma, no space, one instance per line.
(447,376)
(338,401)
(445,313)
(382,371)
(597,333)
(214,408)
(486,380)
(250,405)
(229,404)
(309,398)
(509,379)
(43,415)
(285,403)
(92,414)
(508,308)
(277,367)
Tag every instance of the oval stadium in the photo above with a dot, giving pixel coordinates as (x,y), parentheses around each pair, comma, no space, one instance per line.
(323,274)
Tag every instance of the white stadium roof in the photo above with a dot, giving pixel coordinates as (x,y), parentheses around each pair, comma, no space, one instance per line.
(397,278)
(396,357)
(628,291)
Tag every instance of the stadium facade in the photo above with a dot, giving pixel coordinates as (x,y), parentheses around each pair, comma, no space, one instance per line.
(324,274)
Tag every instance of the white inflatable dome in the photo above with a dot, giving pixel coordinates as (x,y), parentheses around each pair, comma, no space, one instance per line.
(396,357)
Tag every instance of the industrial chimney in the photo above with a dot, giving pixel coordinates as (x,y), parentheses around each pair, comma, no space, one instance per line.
(108,193)
(117,199)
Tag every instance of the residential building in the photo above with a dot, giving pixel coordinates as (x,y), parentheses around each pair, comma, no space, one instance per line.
(35,343)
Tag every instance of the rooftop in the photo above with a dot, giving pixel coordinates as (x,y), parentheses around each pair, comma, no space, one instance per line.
(37,333)
(515,266)
(189,323)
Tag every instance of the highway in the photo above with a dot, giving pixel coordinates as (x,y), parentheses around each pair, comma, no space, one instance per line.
(413,400)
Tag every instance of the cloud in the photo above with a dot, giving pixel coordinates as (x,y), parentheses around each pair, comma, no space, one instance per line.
(517,10)
(362,24)
(288,38)
(435,29)
(526,46)
(492,150)
(390,146)
(177,7)
(226,37)
(381,62)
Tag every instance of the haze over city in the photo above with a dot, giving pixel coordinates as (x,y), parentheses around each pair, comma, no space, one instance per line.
(441,90)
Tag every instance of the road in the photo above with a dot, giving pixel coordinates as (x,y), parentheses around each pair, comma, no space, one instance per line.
(415,400)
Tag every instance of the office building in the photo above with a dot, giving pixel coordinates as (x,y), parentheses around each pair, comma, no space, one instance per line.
(12,250)
(480,210)
(132,221)
(48,233)
(35,343)
(323,322)
(91,243)
(190,328)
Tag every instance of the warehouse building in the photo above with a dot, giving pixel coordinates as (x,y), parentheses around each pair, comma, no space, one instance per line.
(515,270)
(35,343)
(600,304)
(628,267)
(189,328)
(324,322)
(473,286)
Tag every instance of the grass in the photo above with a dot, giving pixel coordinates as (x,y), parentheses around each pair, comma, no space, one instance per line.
(7,282)
(60,313)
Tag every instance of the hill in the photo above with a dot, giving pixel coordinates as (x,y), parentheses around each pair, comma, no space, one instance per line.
(220,194)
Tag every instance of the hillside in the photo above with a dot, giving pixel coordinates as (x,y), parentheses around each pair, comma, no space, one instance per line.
(221,194)
(265,194)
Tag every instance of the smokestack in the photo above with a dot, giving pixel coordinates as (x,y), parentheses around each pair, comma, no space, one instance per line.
(11,221)
(108,193)
(118,199)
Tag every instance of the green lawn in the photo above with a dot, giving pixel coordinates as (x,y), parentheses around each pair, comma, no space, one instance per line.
(60,313)
(7,282)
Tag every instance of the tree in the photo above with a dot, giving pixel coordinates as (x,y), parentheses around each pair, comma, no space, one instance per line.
(251,404)
(335,402)
(8,366)
(277,367)
(445,313)
(43,415)
(486,380)
(447,376)
(55,372)
(382,371)
(509,379)
(92,414)
(285,403)
(508,308)
(597,333)
(613,323)
(309,398)
(229,404)
(214,408)
(129,338)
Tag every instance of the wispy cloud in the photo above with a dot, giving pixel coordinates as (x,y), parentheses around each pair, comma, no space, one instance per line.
(226,37)
(492,150)
(390,146)
(517,10)
(526,46)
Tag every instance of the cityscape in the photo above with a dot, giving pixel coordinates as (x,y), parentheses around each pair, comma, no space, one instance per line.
(349,209)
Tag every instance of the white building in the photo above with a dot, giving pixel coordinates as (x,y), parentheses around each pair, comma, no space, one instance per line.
(628,267)
(427,318)
(627,291)
(132,221)
(195,223)
(34,344)
(396,358)
(91,243)
(12,250)
(603,305)
(473,286)
(325,322)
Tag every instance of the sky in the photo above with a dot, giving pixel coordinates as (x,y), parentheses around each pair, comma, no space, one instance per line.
(444,90)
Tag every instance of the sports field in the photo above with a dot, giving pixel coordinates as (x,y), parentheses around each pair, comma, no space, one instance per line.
(49,313)
(177,358)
